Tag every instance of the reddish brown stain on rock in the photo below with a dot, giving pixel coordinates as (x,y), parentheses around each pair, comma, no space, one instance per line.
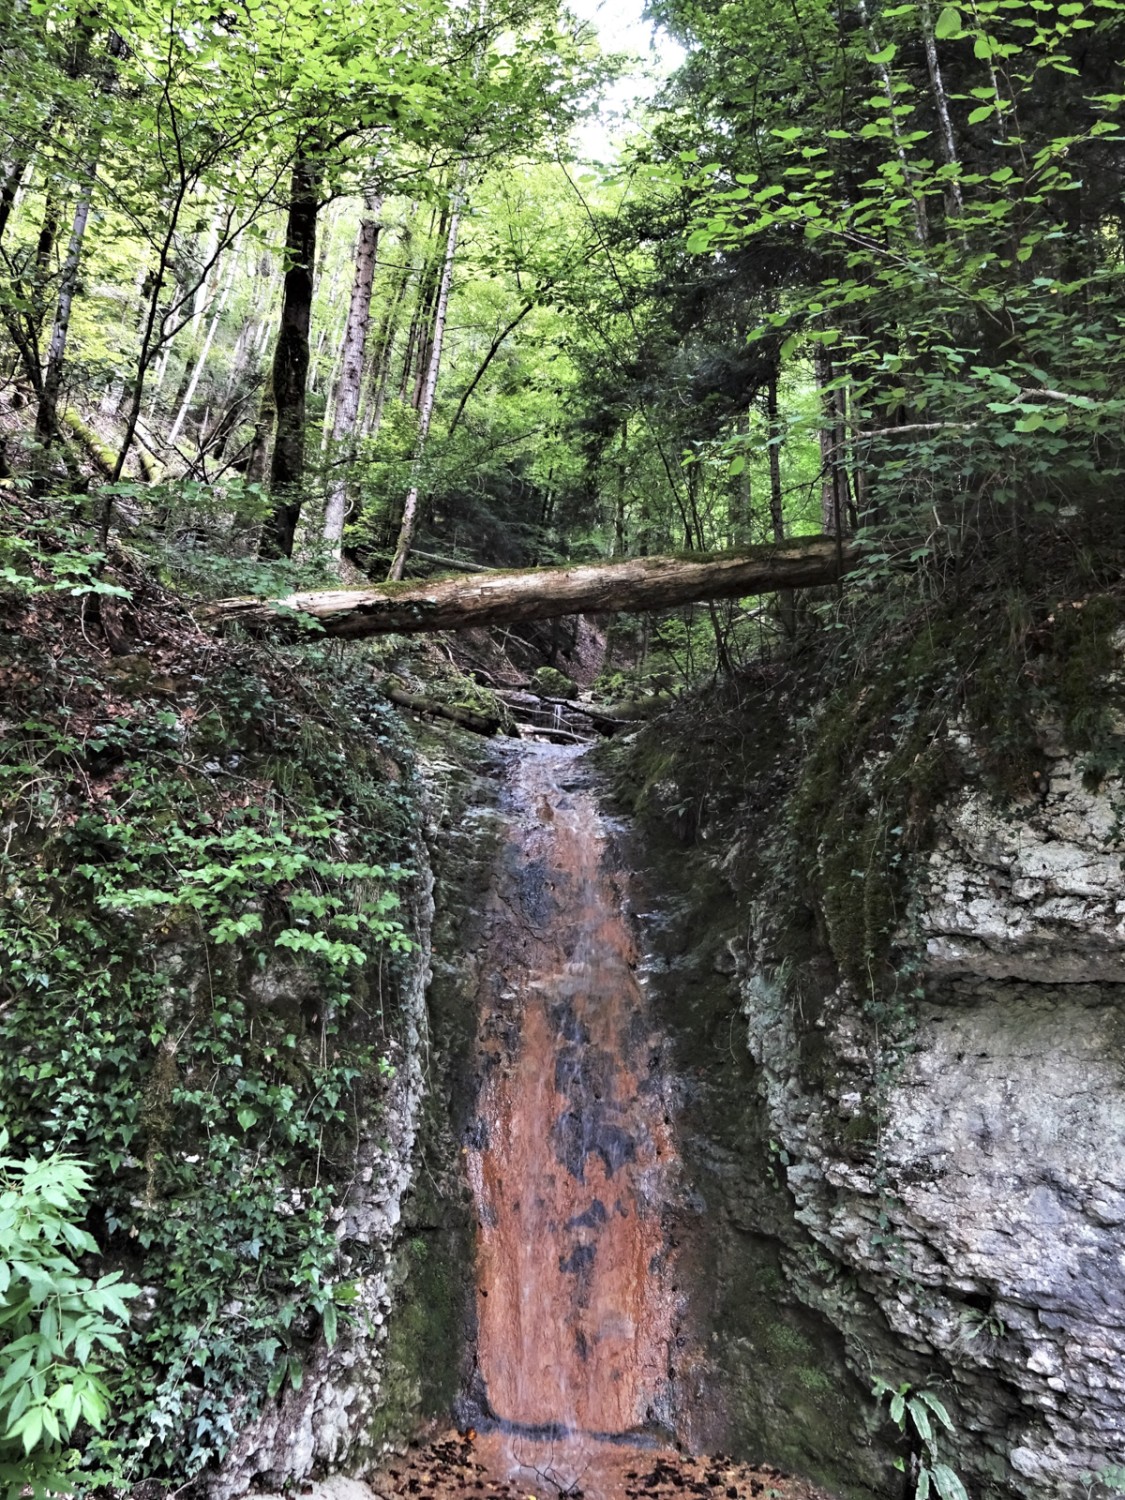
(571,1167)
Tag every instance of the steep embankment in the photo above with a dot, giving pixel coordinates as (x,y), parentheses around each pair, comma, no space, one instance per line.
(215,946)
(889,925)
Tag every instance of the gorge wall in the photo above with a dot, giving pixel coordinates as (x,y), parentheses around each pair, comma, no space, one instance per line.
(927,1190)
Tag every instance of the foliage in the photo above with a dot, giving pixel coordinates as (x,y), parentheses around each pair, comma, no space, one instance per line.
(913,1413)
(57,1325)
(204,932)
(1111,1478)
(954,248)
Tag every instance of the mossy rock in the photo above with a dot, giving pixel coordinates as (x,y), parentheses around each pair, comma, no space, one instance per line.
(552,683)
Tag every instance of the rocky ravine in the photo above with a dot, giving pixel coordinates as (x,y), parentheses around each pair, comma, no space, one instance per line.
(993,1142)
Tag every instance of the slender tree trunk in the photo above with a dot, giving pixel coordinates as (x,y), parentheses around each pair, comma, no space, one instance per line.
(47,416)
(429,390)
(291,362)
(415,362)
(201,298)
(829,492)
(10,180)
(941,102)
(619,504)
(773,424)
(257,465)
(380,380)
(427,320)
(209,339)
(44,249)
(352,357)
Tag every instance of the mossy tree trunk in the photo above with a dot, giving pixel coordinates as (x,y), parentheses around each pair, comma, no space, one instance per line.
(502,598)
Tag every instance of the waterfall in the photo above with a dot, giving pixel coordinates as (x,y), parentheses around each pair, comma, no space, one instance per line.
(572,1157)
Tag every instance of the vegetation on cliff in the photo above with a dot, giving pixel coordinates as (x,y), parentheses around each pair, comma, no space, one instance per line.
(207,865)
(296,294)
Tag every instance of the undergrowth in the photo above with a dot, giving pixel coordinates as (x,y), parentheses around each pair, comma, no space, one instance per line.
(204,866)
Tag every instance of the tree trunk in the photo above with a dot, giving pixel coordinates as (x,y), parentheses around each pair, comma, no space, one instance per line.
(10,181)
(941,102)
(291,362)
(502,598)
(426,277)
(830,512)
(380,378)
(773,436)
(352,357)
(426,410)
(426,313)
(47,416)
(201,361)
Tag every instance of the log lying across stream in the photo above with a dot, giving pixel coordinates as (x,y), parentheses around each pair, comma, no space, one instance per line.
(462,601)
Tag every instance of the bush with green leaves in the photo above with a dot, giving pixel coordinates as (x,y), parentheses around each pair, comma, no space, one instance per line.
(58,1327)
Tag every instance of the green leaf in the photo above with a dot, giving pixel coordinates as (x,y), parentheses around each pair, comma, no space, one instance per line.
(330,1327)
(886,55)
(948,1483)
(982,112)
(938,1409)
(920,1417)
(948,23)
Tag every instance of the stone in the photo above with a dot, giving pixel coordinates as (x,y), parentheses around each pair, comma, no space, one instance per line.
(1000,1170)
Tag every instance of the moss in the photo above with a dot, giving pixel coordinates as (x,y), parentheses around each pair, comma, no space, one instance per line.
(553,683)
(102,455)
(420,1369)
(1084,655)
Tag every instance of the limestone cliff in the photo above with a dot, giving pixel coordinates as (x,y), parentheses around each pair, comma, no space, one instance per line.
(924,1182)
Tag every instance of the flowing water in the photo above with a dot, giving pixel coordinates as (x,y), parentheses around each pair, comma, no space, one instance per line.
(572,1162)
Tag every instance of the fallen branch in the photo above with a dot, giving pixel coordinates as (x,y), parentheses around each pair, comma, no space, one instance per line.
(518,698)
(465,717)
(505,598)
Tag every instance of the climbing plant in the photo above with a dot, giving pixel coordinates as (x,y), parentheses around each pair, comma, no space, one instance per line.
(206,923)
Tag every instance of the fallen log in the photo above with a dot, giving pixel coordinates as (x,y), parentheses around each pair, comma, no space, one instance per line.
(465,717)
(606,723)
(461,602)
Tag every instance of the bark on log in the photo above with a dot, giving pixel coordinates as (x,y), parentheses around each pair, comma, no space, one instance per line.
(465,717)
(507,598)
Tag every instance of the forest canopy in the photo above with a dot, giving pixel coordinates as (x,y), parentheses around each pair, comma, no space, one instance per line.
(330,277)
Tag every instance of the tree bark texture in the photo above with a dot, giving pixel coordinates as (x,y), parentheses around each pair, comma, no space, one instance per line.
(47,416)
(352,357)
(10,179)
(429,390)
(291,362)
(502,598)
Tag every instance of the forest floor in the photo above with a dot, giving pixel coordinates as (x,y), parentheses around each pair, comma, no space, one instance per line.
(455,1466)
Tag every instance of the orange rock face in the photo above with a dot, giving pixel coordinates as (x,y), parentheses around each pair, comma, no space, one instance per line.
(573,1158)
